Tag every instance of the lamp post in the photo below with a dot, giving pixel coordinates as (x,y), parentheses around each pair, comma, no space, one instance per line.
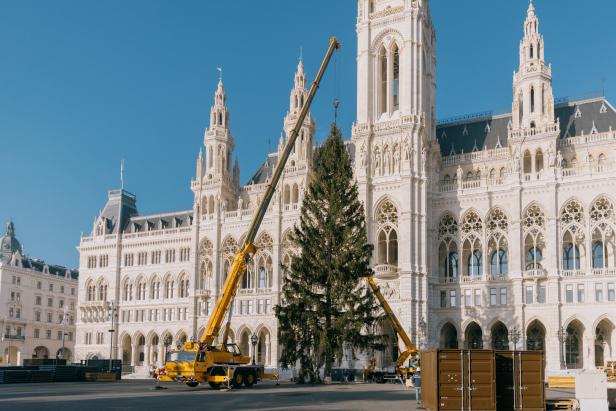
(562,338)
(254,339)
(112,315)
(166,342)
(514,335)
(64,320)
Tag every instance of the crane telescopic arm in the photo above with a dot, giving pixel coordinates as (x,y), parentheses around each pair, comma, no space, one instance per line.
(410,347)
(238,268)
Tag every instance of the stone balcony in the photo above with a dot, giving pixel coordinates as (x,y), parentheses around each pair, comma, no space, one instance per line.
(466,279)
(386,271)
(204,295)
(536,273)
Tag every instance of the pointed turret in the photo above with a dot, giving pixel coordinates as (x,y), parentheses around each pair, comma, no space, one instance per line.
(218,140)
(297,99)
(533,101)
(199,174)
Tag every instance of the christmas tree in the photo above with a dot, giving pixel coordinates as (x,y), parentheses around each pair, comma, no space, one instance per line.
(325,305)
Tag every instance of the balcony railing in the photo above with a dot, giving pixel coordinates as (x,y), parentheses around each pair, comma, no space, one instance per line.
(604,272)
(573,273)
(386,270)
(203,294)
(14,337)
(473,278)
(536,273)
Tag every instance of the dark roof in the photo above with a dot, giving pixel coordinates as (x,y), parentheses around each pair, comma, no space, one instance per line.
(159,221)
(57,270)
(474,132)
(265,171)
(119,200)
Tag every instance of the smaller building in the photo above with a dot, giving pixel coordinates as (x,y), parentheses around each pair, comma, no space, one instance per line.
(37,305)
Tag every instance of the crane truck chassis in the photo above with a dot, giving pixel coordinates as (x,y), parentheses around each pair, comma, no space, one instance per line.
(204,361)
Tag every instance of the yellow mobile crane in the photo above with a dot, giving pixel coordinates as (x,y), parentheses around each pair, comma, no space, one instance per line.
(201,361)
(371,373)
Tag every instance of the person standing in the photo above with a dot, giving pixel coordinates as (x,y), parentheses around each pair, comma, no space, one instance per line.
(416,379)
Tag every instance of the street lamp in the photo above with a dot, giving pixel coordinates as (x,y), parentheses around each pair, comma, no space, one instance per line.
(514,335)
(167,342)
(64,320)
(254,339)
(112,315)
(562,338)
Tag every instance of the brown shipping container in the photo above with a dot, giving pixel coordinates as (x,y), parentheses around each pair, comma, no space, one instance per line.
(520,380)
(461,380)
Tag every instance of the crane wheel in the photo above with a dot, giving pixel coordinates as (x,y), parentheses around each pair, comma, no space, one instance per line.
(250,379)
(216,371)
(238,378)
(192,384)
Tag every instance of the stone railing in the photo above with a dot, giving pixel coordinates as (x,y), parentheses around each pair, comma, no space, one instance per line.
(604,272)
(386,270)
(534,131)
(490,154)
(473,278)
(572,273)
(449,186)
(203,294)
(588,138)
(536,273)
(386,12)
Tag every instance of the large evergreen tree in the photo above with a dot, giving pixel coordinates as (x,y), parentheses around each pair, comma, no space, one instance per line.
(325,303)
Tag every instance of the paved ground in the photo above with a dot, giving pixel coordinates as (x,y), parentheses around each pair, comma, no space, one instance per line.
(139,395)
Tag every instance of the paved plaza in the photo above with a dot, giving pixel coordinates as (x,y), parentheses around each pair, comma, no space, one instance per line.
(139,395)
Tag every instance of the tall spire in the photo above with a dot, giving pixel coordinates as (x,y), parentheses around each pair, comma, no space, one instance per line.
(533,102)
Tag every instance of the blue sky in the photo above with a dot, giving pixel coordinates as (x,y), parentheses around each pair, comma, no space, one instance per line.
(86,83)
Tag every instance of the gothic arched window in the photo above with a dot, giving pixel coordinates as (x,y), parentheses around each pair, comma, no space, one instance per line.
(572,225)
(387,221)
(475,264)
(533,225)
(498,262)
(597,255)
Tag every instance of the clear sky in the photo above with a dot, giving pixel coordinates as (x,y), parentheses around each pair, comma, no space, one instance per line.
(86,83)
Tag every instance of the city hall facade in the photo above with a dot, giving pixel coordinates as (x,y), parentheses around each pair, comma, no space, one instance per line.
(493,231)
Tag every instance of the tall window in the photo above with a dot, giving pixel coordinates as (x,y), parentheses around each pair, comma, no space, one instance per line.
(475,263)
(499,262)
(571,257)
(532,99)
(533,258)
(597,255)
(387,220)
(383,75)
(396,85)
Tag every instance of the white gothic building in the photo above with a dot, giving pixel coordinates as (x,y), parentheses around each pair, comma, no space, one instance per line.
(37,305)
(493,230)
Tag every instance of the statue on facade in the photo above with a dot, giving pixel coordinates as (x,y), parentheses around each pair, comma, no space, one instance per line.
(362,156)
(516,160)
(559,159)
(459,173)
(240,203)
(551,157)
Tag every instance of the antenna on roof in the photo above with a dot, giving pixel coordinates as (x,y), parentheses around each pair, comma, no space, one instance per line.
(603,87)
(122,174)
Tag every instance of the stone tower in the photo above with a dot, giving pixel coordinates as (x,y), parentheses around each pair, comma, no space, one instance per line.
(394,138)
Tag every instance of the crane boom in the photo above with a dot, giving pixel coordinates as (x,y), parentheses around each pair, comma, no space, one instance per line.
(410,347)
(247,248)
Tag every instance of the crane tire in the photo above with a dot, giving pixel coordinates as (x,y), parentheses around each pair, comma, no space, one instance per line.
(250,379)
(239,378)
(192,384)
